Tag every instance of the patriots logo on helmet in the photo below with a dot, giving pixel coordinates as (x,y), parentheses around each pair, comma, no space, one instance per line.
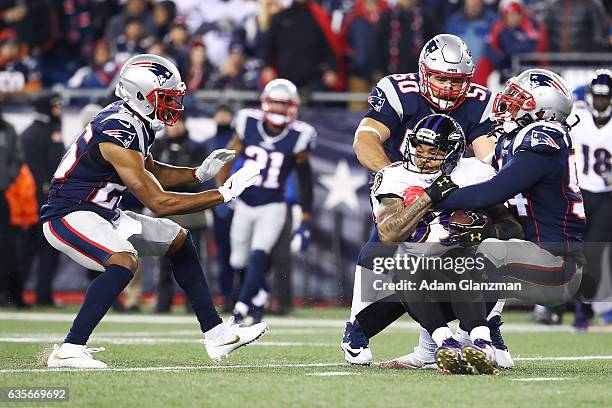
(123,136)
(538,79)
(541,138)
(377,101)
(163,74)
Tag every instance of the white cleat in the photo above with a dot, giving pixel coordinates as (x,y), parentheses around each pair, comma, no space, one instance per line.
(504,359)
(232,337)
(358,356)
(74,356)
(411,361)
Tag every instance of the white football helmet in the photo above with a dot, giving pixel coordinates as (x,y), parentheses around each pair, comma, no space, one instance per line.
(280,102)
(446,55)
(535,94)
(152,86)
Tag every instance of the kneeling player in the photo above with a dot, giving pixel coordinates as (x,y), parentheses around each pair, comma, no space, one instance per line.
(537,176)
(434,147)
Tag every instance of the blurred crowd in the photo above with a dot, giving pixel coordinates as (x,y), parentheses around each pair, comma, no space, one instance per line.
(332,45)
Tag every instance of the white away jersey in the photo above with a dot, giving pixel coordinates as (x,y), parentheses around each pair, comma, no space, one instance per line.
(594,151)
(393,180)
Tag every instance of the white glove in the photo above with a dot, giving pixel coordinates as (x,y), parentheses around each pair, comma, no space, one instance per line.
(213,163)
(245,177)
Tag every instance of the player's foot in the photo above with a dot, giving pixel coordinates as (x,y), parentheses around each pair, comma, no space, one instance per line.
(232,337)
(238,318)
(74,356)
(582,317)
(449,360)
(255,316)
(546,316)
(355,345)
(411,361)
(502,355)
(481,356)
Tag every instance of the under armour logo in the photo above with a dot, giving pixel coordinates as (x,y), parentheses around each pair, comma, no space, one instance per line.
(476,237)
(442,182)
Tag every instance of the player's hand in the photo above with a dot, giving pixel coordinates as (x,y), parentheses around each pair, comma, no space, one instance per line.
(301,239)
(213,163)
(244,178)
(440,188)
(411,194)
(469,233)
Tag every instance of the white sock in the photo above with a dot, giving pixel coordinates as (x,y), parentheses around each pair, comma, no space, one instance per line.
(260,299)
(480,332)
(213,333)
(441,334)
(241,308)
(462,336)
(426,349)
(497,309)
(356,304)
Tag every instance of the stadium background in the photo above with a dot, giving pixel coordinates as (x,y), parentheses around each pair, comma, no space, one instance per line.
(59,57)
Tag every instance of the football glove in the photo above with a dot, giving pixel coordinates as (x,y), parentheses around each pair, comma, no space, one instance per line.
(213,163)
(440,188)
(239,181)
(470,233)
(301,239)
(411,194)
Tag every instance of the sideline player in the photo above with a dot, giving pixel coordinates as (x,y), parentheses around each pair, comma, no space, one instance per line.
(274,139)
(81,218)
(433,148)
(593,138)
(398,102)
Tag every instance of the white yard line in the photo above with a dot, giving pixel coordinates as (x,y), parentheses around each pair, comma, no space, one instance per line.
(281,322)
(275,366)
(331,374)
(536,379)
(174,368)
(155,341)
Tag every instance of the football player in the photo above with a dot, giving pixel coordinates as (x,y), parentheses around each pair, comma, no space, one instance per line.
(537,176)
(81,218)
(434,147)
(398,102)
(593,139)
(273,138)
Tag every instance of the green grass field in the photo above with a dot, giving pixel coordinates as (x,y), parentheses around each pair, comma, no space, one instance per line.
(158,361)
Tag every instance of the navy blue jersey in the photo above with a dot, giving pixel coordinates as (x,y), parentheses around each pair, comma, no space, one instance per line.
(397,103)
(537,176)
(274,154)
(84,181)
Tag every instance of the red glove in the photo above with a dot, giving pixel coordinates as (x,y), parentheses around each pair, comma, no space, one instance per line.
(411,194)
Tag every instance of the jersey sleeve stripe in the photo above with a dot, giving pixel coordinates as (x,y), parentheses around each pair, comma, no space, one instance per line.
(386,86)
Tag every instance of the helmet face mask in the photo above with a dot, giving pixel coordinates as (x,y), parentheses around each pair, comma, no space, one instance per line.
(280,102)
(168,104)
(435,146)
(448,61)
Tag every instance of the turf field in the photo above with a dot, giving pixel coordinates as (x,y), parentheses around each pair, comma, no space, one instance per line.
(158,361)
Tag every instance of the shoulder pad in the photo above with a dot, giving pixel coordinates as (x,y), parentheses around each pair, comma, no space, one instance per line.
(307,136)
(471,171)
(542,138)
(122,126)
(241,118)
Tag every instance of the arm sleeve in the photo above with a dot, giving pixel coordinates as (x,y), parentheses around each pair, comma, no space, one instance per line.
(523,171)
(304,175)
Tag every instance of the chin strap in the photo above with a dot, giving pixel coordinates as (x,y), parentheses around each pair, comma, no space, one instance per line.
(157,125)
